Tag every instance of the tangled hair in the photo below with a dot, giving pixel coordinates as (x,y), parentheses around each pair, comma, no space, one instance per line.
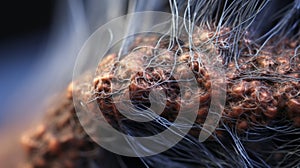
(260,124)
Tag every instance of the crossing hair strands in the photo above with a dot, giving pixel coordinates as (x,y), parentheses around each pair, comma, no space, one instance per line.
(260,124)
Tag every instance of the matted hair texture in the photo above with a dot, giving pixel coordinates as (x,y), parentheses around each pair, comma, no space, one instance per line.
(257,42)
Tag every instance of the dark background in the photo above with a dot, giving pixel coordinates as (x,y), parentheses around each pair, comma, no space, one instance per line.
(21,18)
(24,33)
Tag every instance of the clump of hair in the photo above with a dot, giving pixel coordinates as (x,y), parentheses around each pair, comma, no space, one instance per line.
(260,125)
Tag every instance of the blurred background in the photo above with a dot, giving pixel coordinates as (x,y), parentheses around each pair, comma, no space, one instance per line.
(37,55)
(24,35)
